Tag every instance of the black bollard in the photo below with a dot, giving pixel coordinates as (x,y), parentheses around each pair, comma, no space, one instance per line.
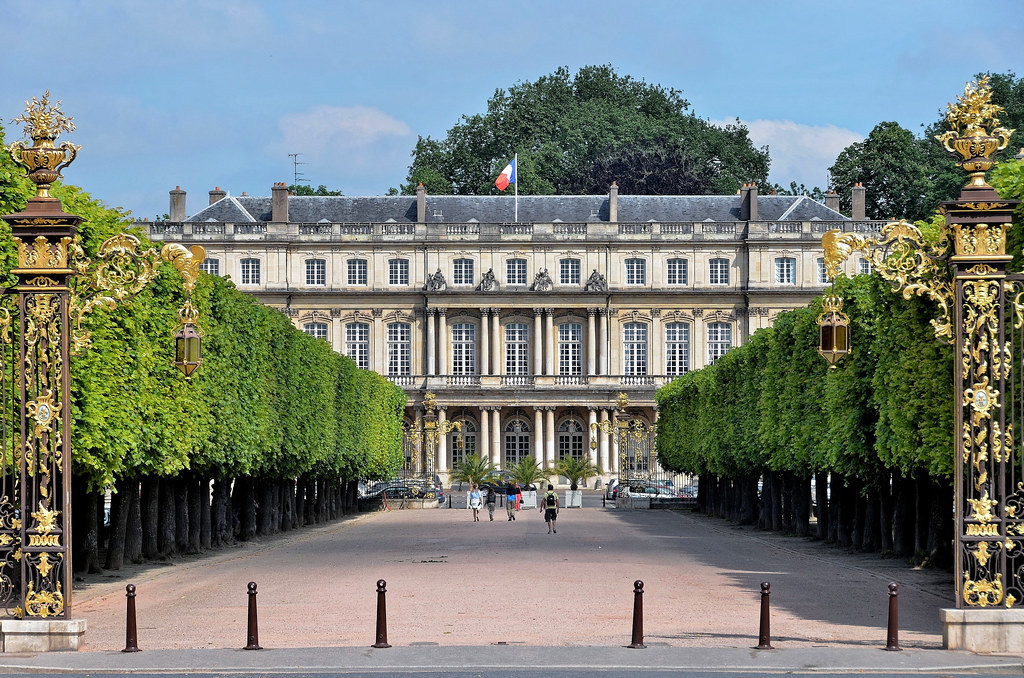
(253,634)
(638,616)
(764,636)
(382,615)
(892,641)
(131,635)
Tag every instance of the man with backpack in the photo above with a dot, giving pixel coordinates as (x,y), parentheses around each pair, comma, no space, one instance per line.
(550,508)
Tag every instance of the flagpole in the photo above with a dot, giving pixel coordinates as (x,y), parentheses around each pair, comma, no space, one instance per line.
(515,164)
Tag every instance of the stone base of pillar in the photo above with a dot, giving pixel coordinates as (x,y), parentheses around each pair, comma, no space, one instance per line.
(983,630)
(41,635)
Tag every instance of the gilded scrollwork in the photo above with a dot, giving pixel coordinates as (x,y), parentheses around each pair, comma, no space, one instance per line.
(982,593)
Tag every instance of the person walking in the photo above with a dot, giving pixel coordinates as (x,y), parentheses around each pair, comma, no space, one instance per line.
(510,501)
(490,498)
(519,496)
(549,507)
(473,501)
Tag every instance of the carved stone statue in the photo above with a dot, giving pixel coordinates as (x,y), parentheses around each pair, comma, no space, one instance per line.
(436,282)
(488,284)
(542,282)
(596,283)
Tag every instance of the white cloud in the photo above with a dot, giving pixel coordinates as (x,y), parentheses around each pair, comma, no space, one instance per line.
(325,131)
(800,153)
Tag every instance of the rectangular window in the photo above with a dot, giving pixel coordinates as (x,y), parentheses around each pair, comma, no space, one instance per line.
(357,272)
(462,272)
(398,272)
(569,272)
(864,266)
(785,271)
(318,330)
(399,349)
(357,344)
(822,274)
(463,348)
(678,272)
(570,348)
(316,272)
(250,271)
(718,272)
(677,349)
(211,266)
(634,349)
(515,272)
(636,271)
(719,340)
(517,348)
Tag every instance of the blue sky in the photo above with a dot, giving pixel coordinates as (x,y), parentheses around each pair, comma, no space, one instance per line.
(203,94)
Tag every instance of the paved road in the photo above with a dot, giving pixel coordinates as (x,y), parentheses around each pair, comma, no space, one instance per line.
(453,582)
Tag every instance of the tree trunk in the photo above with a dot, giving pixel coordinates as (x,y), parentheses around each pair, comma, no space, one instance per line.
(133,535)
(300,502)
(220,513)
(885,514)
(923,512)
(205,515)
(872,521)
(87,555)
(150,517)
(776,501)
(265,510)
(181,519)
(903,518)
(748,501)
(858,520)
(246,502)
(120,508)
(167,527)
(802,506)
(193,485)
(846,509)
(821,497)
(787,502)
(940,525)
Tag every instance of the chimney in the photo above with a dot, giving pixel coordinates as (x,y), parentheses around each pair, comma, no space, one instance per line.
(613,203)
(832,201)
(178,204)
(748,202)
(216,194)
(857,198)
(421,204)
(279,202)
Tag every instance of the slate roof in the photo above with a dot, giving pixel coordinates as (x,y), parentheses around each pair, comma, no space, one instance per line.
(500,209)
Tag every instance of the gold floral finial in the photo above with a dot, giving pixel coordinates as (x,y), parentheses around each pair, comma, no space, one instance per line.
(971,118)
(974,112)
(44,120)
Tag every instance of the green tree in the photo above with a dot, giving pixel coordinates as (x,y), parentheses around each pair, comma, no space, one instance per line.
(574,134)
(304,189)
(527,471)
(891,165)
(576,470)
(473,470)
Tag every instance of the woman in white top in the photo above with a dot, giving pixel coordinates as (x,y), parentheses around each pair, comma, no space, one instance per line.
(473,501)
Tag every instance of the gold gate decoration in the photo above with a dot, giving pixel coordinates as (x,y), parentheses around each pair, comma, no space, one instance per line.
(964,271)
(634,439)
(419,443)
(40,328)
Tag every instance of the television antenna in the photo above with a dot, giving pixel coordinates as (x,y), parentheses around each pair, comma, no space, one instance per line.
(295,168)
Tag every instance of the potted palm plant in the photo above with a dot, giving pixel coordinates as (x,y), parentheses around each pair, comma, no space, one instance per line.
(473,470)
(528,474)
(576,470)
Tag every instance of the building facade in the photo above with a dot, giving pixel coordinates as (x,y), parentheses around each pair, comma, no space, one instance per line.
(526,331)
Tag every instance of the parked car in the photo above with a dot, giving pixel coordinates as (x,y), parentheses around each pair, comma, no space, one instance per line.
(611,490)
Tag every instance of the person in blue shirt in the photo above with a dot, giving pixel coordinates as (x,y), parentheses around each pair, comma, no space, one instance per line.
(473,501)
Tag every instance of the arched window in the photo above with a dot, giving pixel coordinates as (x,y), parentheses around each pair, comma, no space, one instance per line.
(357,344)
(677,349)
(318,330)
(517,441)
(571,441)
(316,272)
(399,349)
(634,349)
(463,443)
(463,348)
(517,348)
(719,340)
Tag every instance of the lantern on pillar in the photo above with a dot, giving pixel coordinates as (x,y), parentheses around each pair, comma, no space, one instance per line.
(834,327)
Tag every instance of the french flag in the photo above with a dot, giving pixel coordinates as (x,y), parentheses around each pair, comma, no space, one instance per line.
(507,176)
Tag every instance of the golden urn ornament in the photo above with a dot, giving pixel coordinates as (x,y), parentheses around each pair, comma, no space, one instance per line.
(44,161)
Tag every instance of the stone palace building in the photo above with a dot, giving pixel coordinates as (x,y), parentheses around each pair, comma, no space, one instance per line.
(524,330)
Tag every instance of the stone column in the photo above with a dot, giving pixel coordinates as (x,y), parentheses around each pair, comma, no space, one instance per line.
(496,338)
(592,434)
(591,342)
(656,345)
(538,437)
(602,446)
(442,442)
(602,340)
(549,437)
(484,446)
(379,356)
(538,345)
(698,344)
(337,340)
(442,341)
(496,437)
(485,342)
(431,348)
(549,341)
